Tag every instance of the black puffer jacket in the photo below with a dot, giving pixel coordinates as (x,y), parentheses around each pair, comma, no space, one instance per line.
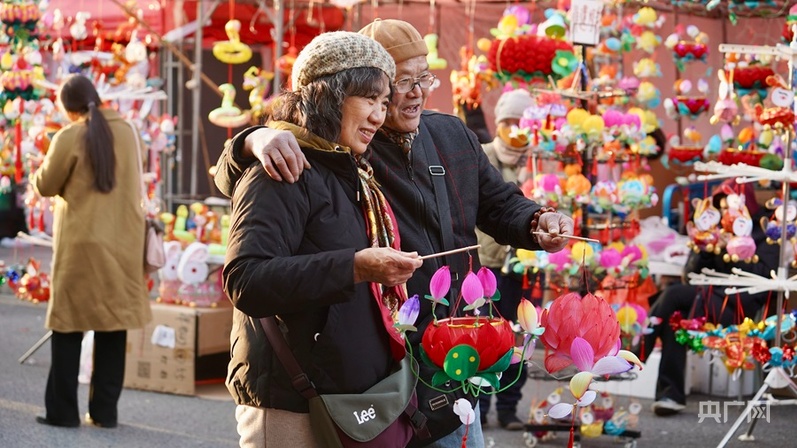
(291,253)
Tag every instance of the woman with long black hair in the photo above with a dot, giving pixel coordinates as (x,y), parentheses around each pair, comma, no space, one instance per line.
(98,278)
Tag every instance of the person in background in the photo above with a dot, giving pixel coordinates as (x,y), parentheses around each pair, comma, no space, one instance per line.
(507,154)
(316,253)
(98,280)
(702,301)
(400,154)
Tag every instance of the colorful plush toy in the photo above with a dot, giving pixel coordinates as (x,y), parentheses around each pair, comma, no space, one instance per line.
(773,228)
(703,230)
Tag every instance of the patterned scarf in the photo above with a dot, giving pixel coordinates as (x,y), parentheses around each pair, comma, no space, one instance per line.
(381,227)
(402,139)
(381,230)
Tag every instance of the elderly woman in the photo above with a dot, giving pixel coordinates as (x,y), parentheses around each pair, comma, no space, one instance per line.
(319,254)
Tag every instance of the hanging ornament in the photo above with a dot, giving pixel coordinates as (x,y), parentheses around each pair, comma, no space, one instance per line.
(232,51)
(228,115)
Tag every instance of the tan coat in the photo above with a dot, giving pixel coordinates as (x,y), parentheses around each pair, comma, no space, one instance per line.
(492,254)
(97,269)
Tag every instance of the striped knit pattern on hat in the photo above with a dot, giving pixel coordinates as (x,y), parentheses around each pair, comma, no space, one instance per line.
(336,51)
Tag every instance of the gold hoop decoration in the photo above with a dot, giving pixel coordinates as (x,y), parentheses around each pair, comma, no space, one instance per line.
(232,51)
(228,116)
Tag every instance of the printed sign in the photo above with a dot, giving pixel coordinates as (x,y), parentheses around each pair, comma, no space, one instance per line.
(585,17)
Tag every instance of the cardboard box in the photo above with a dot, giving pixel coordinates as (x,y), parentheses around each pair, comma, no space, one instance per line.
(180,346)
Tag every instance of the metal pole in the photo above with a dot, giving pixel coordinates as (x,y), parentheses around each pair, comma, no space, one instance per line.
(279,30)
(197,100)
(35,347)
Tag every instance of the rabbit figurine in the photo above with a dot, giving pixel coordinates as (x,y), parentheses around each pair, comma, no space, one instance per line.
(703,230)
(741,246)
(192,270)
(726,109)
(169,283)
(773,227)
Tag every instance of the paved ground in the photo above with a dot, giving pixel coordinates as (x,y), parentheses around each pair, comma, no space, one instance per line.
(163,420)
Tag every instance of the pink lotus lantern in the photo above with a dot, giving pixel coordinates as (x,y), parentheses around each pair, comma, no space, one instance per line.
(571,316)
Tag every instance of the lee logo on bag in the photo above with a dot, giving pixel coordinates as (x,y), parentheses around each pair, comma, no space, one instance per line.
(365,415)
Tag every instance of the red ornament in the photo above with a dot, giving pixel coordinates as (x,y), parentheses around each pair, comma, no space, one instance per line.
(529,54)
(752,76)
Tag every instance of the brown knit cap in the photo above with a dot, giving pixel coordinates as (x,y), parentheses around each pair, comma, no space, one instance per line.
(399,38)
(335,51)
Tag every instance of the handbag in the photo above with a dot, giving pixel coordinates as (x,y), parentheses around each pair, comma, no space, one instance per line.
(154,252)
(384,416)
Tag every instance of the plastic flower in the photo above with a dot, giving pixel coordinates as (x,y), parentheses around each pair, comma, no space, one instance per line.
(525,351)
(571,316)
(562,410)
(610,258)
(633,251)
(527,316)
(617,361)
(472,292)
(560,259)
(408,314)
(464,410)
(439,286)
(488,281)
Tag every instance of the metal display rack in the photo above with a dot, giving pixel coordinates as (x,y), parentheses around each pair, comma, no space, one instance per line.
(741,281)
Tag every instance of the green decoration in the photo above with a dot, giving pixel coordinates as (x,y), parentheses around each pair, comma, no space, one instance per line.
(462,362)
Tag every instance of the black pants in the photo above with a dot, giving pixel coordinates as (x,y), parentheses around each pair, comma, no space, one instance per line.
(506,401)
(108,372)
(685,298)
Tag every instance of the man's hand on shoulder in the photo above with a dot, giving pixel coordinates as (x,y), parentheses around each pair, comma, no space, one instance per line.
(278,152)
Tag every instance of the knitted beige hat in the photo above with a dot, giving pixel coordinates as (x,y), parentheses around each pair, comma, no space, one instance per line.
(333,52)
(399,38)
(512,104)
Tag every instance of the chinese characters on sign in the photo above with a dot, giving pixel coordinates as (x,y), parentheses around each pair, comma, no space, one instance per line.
(714,410)
(585,16)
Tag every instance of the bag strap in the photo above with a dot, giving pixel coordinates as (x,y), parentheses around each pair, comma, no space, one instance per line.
(140,165)
(438,172)
(300,381)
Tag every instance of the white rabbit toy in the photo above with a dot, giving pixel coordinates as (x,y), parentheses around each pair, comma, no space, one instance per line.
(169,282)
(192,270)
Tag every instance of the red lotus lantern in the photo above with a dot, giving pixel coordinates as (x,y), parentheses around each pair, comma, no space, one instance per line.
(465,347)
(472,347)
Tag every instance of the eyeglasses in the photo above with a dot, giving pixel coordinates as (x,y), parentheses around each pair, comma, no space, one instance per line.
(406,84)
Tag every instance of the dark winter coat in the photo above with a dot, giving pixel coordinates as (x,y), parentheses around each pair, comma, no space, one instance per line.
(291,254)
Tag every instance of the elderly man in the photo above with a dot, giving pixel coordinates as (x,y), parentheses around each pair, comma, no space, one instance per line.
(440,184)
